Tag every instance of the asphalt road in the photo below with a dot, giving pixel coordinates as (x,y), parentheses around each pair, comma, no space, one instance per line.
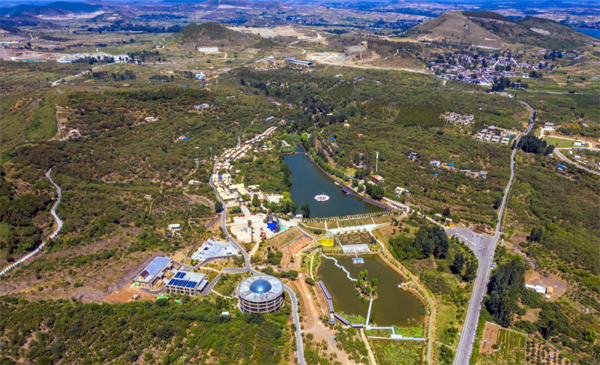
(484,248)
(562,157)
(56,219)
(248,267)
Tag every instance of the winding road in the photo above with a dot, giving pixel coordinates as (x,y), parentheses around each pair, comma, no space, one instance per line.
(485,256)
(56,219)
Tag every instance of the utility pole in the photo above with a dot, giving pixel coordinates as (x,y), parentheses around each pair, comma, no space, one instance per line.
(376,160)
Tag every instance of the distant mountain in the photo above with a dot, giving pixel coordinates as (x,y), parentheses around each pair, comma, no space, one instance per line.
(52,9)
(19,9)
(211,34)
(488,29)
(212,4)
(74,7)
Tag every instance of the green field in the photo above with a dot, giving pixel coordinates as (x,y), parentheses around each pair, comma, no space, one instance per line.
(390,352)
(511,349)
(560,143)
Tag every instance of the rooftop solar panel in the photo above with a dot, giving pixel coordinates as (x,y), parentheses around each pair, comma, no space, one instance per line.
(189,284)
(180,275)
(171,282)
(194,284)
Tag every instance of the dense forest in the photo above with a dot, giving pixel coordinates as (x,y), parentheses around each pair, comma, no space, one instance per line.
(163,331)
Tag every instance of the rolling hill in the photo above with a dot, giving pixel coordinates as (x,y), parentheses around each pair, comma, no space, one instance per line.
(488,29)
(211,34)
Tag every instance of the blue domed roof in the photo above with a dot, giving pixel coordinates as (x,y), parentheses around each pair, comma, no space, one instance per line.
(260,286)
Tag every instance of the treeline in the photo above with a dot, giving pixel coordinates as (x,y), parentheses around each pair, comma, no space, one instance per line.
(146,55)
(429,240)
(127,75)
(532,144)
(116,27)
(91,60)
(161,331)
(186,74)
(504,290)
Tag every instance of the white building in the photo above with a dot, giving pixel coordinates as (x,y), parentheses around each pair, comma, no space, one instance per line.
(208,50)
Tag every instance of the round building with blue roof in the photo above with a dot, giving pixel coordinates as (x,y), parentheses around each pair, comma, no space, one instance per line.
(261,294)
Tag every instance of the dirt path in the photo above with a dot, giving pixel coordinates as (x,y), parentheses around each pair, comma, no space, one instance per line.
(366,341)
(313,324)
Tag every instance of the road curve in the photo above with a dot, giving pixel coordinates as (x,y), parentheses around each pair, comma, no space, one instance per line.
(248,267)
(562,157)
(56,219)
(485,258)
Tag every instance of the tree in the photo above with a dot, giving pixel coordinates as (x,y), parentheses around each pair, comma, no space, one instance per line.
(218,207)
(471,272)
(536,234)
(458,263)
(164,332)
(446,212)
(591,336)
(375,191)
(255,200)
(306,211)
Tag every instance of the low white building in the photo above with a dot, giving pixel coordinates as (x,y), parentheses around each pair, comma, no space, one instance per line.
(538,288)
(208,50)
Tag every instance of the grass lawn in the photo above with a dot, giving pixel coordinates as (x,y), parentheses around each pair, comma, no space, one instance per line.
(446,313)
(560,143)
(390,352)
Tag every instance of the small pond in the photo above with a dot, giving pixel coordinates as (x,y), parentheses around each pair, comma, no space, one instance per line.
(394,306)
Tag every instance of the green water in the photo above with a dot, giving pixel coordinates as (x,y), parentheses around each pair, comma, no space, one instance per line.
(308,181)
(394,306)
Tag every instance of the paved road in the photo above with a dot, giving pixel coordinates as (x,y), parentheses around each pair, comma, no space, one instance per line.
(562,157)
(74,76)
(56,219)
(248,267)
(485,256)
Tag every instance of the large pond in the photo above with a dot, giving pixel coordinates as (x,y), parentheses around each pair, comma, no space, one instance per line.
(308,181)
(591,32)
(394,306)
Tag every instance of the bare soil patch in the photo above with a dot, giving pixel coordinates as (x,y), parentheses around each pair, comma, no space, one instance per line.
(489,337)
(549,281)
(285,237)
(292,251)
(532,315)
(126,294)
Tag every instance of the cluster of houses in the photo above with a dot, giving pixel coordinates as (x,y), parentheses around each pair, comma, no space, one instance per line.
(480,70)
(223,183)
(450,167)
(492,134)
(456,118)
